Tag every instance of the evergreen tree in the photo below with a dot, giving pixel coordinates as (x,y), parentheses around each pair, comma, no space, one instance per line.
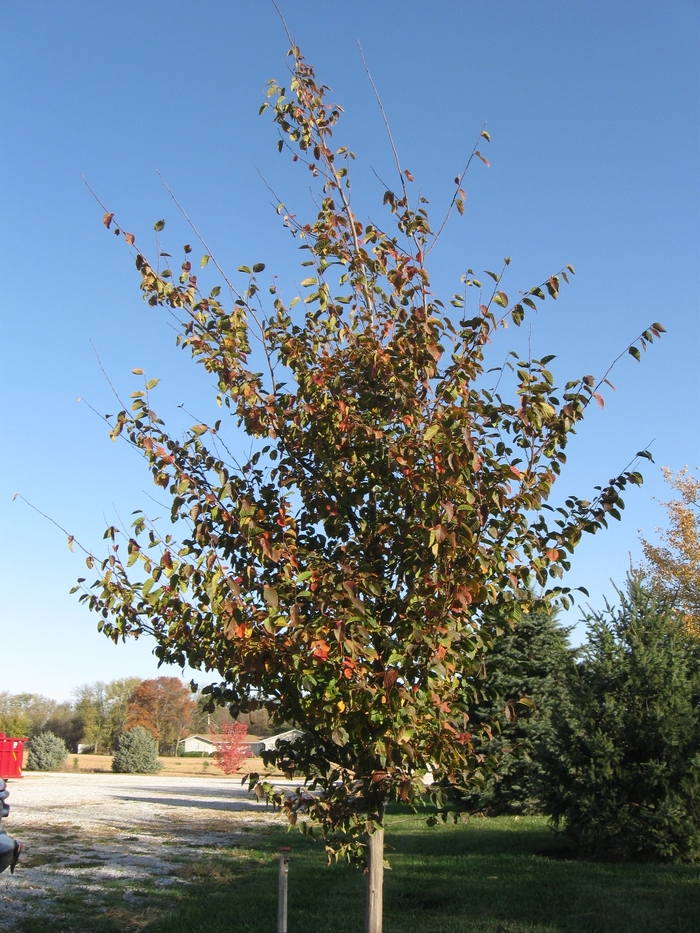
(46,753)
(624,768)
(527,673)
(136,753)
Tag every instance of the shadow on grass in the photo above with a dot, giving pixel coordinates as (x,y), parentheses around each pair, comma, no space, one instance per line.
(500,875)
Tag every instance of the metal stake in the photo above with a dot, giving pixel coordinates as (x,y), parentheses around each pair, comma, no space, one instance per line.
(282,890)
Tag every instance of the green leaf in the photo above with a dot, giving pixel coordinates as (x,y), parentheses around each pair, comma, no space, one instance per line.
(152,383)
(634,351)
(340,737)
(199,429)
(308,282)
(205,260)
(159,225)
(245,269)
(431,432)
(259,267)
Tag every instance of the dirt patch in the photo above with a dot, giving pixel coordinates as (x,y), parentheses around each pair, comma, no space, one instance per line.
(87,836)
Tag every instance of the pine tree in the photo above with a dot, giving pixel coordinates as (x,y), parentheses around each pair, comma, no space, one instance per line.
(526,674)
(625,764)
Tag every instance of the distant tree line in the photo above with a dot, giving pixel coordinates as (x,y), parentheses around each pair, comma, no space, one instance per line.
(100,713)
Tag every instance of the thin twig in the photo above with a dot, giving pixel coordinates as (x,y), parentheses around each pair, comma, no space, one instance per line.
(104,373)
(284,23)
(198,235)
(71,539)
(386,122)
(460,179)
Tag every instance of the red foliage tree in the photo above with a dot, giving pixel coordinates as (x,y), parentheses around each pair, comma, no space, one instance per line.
(233,751)
(164,707)
(392,517)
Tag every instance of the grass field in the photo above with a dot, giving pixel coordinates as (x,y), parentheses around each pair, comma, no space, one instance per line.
(504,875)
(170,767)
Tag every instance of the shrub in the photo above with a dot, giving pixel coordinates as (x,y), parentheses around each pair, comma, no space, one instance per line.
(624,765)
(136,753)
(47,752)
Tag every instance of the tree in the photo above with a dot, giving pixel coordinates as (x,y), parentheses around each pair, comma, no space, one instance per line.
(66,724)
(673,567)
(136,753)
(117,695)
(25,713)
(351,572)
(233,751)
(13,719)
(164,707)
(91,707)
(102,710)
(46,753)
(527,674)
(624,769)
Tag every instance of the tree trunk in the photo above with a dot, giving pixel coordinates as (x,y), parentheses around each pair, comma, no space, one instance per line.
(375,880)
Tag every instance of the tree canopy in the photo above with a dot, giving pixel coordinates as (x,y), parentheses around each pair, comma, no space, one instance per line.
(390,512)
(673,565)
(624,763)
(164,707)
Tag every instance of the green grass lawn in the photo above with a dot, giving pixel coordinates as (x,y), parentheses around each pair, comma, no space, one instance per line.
(503,875)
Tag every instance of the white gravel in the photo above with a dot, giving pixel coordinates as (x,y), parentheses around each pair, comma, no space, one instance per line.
(81,831)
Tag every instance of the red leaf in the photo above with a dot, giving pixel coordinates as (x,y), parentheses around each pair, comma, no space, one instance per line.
(320,650)
(390,678)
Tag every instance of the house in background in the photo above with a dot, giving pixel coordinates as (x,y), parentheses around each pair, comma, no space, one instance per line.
(257,746)
(201,744)
(206,743)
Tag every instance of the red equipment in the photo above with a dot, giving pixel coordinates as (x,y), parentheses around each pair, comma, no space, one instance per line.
(11,755)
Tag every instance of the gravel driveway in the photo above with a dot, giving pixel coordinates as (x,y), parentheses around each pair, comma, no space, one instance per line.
(83,832)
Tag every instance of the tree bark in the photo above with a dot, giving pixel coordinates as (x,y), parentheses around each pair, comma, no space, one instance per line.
(375,881)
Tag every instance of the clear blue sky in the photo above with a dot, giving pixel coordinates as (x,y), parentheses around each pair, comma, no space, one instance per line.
(593,111)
